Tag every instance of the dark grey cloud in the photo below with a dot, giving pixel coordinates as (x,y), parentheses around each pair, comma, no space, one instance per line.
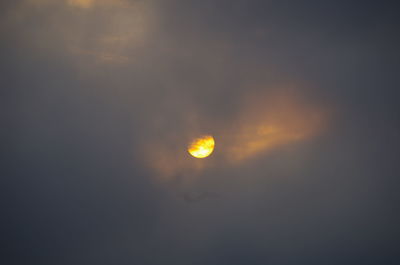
(82,96)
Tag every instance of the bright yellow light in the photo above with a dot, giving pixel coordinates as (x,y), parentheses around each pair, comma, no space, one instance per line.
(202,147)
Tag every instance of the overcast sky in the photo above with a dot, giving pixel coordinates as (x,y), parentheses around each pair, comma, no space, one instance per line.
(99,99)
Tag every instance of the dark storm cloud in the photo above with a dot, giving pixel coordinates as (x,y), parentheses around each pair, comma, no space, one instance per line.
(86,86)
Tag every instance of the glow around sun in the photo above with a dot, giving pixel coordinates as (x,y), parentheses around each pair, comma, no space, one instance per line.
(202,147)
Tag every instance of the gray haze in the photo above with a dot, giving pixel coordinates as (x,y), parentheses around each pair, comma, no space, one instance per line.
(95,93)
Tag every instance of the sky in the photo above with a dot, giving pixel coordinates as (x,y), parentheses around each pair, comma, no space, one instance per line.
(100,99)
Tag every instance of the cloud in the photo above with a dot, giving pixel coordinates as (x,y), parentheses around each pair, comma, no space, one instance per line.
(81,3)
(109,34)
(270,121)
(264,122)
(84,4)
(100,102)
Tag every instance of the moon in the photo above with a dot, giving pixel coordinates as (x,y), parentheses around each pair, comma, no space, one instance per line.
(202,147)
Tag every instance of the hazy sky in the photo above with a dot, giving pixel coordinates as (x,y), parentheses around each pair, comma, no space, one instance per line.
(99,99)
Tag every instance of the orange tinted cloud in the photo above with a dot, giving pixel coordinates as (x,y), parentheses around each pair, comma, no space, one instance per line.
(81,3)
(112,32)
(266,122)
(169,159)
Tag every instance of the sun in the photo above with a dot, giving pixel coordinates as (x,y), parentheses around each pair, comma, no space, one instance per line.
(202,147)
